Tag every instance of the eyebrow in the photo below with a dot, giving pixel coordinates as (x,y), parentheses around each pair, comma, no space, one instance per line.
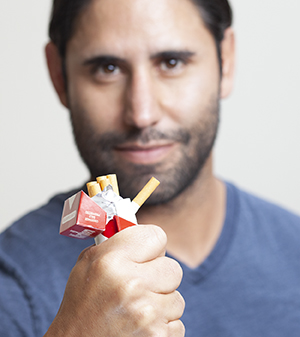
(103,59)
(100,59)
(173,54)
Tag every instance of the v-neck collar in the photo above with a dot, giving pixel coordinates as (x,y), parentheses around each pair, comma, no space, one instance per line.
(195,275)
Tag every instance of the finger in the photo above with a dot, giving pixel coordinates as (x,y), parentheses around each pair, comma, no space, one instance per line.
(138,243)
(172,306)
(154,311)
(162,275)
(176,329)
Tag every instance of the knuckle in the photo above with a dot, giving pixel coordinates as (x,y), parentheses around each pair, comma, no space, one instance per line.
(173,271)
(106,261)
(146,314)
(87,254)
(176,269)
(142,316)
(176,328)
(104,265)
(159,235)
(162,332)
(151,235)
(180,328)
(179,302)
(134,286)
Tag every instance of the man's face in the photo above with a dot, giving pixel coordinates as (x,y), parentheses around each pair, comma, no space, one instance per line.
(143,92)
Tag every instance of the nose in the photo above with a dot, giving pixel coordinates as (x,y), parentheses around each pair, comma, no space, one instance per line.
(142,101)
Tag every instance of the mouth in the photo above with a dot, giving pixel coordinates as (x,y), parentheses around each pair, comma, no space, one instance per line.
(144,154)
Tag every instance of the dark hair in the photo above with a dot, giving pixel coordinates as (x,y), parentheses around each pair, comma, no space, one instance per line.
(216,14)
(63,19)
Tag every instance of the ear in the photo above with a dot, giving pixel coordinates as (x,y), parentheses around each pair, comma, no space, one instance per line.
(55,69)
(228,62)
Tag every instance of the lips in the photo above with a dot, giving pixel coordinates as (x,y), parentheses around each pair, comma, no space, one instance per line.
(149,154)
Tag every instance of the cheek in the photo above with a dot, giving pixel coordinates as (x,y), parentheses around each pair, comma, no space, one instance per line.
(101,105)
(189,97)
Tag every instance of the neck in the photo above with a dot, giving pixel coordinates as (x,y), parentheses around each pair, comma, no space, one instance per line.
(193,221)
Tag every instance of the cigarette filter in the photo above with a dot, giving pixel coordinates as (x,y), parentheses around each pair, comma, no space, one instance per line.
(114,183)
(103,182)
(93,188)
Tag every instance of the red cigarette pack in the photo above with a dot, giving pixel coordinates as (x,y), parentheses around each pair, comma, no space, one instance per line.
(82,218)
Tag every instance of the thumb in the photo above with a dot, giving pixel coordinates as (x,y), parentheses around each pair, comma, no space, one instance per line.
(140,243)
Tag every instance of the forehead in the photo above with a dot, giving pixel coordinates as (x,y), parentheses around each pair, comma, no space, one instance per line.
(138,24)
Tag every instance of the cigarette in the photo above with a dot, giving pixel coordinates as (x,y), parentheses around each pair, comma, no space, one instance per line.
(93,188)
(103,181)
(147,190)
(114,183)
(110,179)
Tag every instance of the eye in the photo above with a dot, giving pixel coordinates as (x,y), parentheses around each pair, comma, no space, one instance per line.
(108,69)
(171,64)
(106,72)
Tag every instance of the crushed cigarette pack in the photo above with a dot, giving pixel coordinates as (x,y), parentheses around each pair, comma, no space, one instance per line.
(103,213)
(82,217)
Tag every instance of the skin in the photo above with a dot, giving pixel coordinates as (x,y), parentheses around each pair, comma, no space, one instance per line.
(123,287)
(144,90)
(138,103)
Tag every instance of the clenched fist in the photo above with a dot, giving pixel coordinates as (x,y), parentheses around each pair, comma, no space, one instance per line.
(123,287)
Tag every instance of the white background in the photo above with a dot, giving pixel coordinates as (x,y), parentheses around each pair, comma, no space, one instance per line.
(259,141)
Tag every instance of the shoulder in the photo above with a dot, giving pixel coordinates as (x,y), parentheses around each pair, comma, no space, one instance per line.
(264,221)
(37,229)
(262,209)
(35,236)
(35,262)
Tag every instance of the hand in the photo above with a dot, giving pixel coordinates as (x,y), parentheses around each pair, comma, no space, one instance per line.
(123,287)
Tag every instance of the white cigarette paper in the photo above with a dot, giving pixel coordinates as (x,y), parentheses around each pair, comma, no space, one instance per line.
(147,190)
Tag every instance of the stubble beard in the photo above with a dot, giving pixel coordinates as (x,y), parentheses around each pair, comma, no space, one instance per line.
(176,175)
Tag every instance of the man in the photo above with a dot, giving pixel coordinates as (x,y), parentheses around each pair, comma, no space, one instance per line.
(142,81)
